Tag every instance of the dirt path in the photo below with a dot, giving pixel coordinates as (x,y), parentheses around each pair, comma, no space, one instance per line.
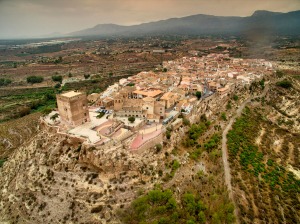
(225,151)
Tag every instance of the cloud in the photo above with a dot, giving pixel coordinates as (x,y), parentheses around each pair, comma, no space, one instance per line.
(37,17)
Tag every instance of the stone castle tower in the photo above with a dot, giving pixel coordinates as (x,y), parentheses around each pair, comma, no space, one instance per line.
(73,108)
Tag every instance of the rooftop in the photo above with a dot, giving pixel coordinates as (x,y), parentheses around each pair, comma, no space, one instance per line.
(71,94)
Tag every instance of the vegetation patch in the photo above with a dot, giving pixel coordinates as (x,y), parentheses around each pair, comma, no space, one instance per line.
(260,169)
(162,207)
(5,82)
(285,84)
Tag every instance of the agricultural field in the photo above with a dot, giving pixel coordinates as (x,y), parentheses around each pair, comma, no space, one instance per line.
(15,103)
(16,132)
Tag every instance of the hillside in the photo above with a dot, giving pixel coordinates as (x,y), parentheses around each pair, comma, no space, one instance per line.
(261,21)
(263,150)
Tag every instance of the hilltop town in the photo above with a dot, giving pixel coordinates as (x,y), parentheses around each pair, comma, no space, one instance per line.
(135,112)
(209,128)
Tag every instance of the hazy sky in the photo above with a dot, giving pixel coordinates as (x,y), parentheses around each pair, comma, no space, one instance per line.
(19,18)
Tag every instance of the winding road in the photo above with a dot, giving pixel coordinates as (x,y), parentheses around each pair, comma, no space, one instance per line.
(224,146)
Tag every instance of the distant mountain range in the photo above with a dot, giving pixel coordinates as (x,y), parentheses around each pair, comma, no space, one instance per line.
(260,22)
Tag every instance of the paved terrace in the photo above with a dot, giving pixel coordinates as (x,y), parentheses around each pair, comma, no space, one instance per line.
(85,129)
(143,138)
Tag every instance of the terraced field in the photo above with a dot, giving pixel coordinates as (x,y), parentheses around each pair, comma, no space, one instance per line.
(264,149)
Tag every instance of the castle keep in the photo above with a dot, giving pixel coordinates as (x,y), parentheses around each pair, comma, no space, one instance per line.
(73,108)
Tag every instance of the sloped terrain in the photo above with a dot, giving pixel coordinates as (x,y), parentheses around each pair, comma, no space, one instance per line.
(16,132)
(264,146)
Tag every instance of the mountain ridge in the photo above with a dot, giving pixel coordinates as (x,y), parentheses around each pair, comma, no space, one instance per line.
(201,24)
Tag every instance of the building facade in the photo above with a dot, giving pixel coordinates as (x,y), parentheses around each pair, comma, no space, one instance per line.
(73,108)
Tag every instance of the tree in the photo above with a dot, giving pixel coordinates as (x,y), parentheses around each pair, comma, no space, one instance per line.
(57,86)
(130,84)
(223,116)
(86,76)
(262,83)
(158,148)
(235,97)
(198,95)
(4,82)
(228,106)
(284,84)
(165,70)
(59,60)
(35,79)
(168,134)
(54,117)
(24,111)
(57,78)
(131,119)
(47,110)
(201,216)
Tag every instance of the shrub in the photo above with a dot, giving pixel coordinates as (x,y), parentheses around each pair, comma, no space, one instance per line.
(54,117)
(47,110)
(24,111)
(186,121)
(158,147)
(2,161)
(35,79)
(223,116)
(284,84)
(168,134)
(101,114)
(57,78)
(228,106)
(86,76)
(130,84)
(131,119)
(4,82)
(198,95)
(57,86)
(279,74)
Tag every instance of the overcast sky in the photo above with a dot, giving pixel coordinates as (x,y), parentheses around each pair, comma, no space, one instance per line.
(21,18)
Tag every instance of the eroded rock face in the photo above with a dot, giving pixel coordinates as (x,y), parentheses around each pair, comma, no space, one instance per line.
(56,179)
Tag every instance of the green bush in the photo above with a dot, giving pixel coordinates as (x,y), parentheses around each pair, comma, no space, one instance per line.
(5,82)
(223,116)
(158,147)
(101,114)
(86,76)
(168,134)
(213,142)
(131,119)
(35,79)
(160,206)
(284,84)
(2,161)
(198,95)
(57,78)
